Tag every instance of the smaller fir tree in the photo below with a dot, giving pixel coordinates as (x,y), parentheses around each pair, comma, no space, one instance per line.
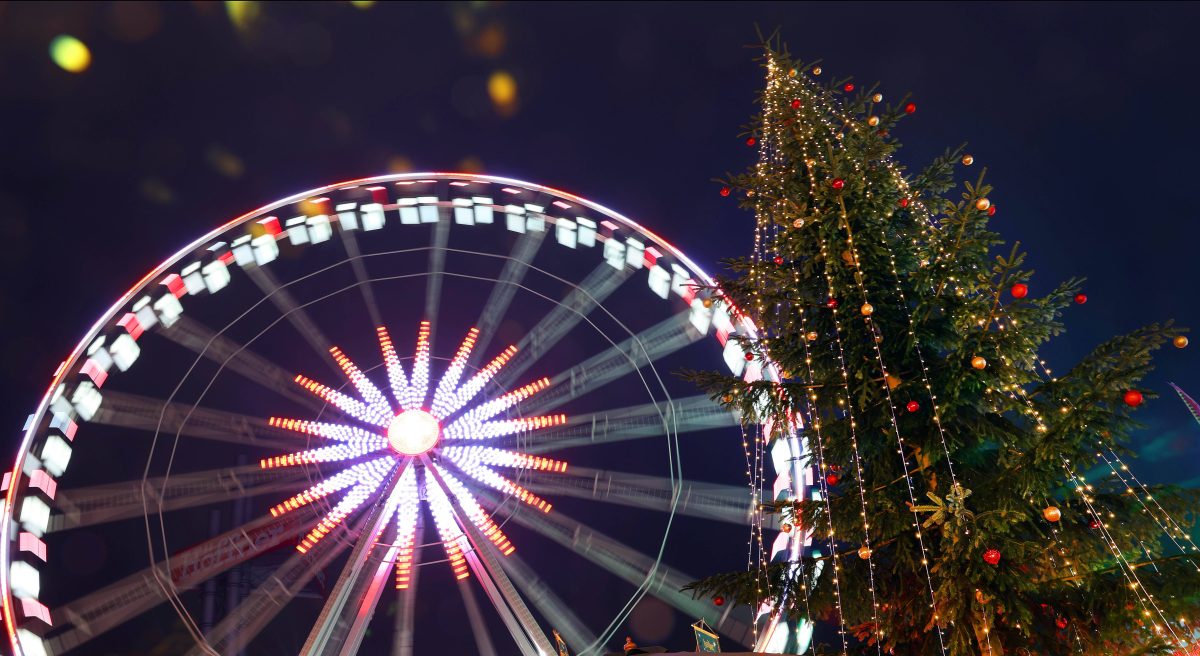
(956,512)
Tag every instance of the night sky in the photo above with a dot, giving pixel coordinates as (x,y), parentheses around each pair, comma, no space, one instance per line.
(189,116)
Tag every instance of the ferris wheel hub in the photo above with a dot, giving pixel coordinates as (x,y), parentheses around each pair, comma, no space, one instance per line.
(413,432)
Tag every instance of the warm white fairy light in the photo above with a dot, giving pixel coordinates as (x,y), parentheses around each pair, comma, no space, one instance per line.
(808,158)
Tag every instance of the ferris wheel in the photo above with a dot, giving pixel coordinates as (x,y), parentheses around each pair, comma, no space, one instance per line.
(332,423)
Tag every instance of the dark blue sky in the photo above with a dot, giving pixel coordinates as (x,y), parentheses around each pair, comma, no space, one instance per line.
(1083,114)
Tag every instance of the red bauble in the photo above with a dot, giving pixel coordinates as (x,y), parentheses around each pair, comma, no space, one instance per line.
(1093,524)
(903,202)
(751,141)
(1061,622)
(718,600)
(796,103)
(837,183)
(832,479)
(778,260)
(1020,290)
(725,191)
(912,406)
(910,108)
(1133,398)
(992,211)
(992,557)
(749,357)
(1081,298)
(849,87)
(831,303)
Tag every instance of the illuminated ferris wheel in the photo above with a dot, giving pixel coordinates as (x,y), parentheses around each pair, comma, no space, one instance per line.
(328,425)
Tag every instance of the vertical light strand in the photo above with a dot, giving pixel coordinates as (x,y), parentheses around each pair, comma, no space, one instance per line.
(812,174)
(815,419)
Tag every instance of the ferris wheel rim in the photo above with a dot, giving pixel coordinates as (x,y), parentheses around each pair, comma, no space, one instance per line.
(7,511)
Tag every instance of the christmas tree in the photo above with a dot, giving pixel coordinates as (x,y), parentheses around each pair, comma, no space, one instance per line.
(970,500)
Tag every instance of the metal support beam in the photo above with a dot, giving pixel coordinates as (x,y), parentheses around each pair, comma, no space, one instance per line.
(585,297)
(99,504)
(359,266)
(503,291)
(437,265)
(168,418)
(483,641)
(631,565)
(200,339)
(686,415)
(553,608)
(655,342)
(283,301)
(113,605)
(722,503)
(240,626)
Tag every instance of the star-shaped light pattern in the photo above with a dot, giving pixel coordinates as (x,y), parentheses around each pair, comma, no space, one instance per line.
(385,441)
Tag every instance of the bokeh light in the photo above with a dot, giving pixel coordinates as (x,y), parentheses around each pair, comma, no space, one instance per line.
(224,162)
(243,13)
(363,4)
(70,53)
(503,90)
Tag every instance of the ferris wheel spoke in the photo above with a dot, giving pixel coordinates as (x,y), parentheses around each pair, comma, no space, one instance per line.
(241,625)
(656,342)
(686,415)
(505,288)
(483,561)
(136,412)
(437,267)
(586,296)
(723,503)
(115,604)
(359,267)
(110,502)
(636,568)
(201,339)
(483,641)
(402,639)
(549,604)
(351,603)
(283,301)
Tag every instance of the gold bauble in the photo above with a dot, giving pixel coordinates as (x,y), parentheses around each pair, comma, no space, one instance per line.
(812,335)
(1180,342)
(728,398)
(839,136)
(864,552)
(708,302)
(848,258)
(978,362)
(1052,514)
(968,160)
(798,223)
(867,309)
(982,204)
(873,121)
(792,73)
(878,338)
(785,527)
(749,192)
(816,70)
(877,97)
(892,381)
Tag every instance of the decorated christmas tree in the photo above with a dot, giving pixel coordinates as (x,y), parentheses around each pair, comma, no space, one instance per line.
(968,500)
